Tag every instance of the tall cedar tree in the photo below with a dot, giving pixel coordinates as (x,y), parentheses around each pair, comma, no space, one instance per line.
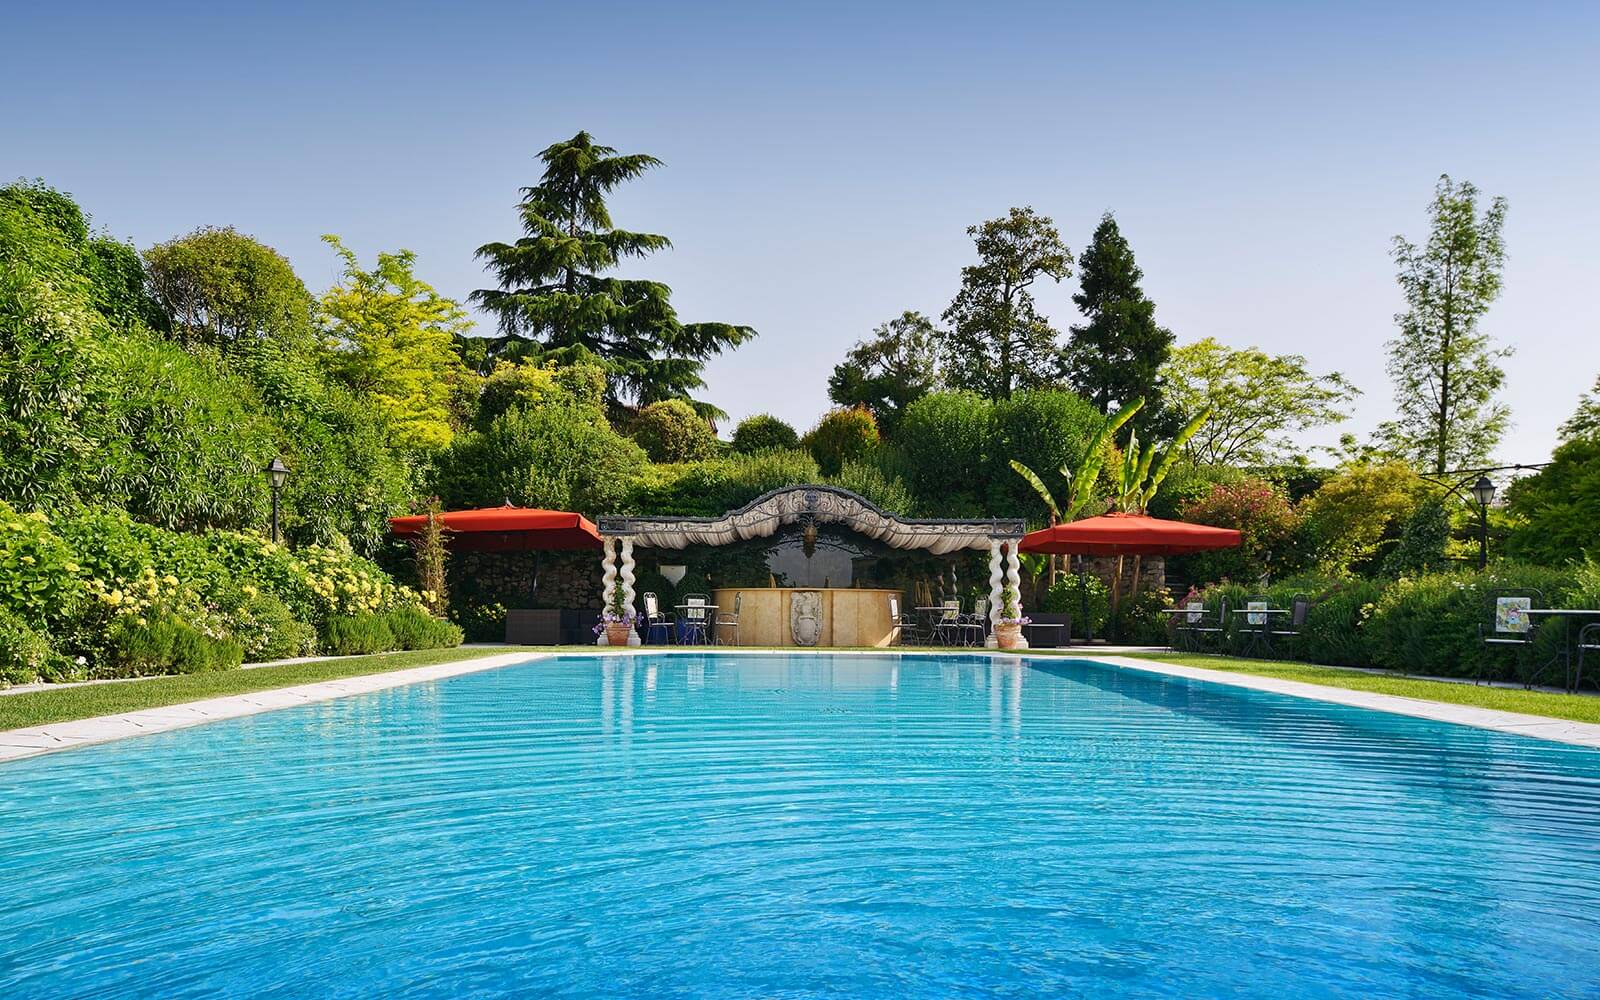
(1117,356)
(1444,371)
(556,303)
(999,343)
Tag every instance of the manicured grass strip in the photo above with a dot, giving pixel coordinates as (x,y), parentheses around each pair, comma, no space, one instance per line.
(36,708)
(1578,708)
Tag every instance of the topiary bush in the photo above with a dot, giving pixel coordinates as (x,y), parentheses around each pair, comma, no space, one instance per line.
(764,432)
(349,635)
(413,628)
(670,431)
(842,436)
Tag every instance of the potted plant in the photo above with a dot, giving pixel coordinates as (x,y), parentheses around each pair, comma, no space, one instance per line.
(617,620)
(1008,624)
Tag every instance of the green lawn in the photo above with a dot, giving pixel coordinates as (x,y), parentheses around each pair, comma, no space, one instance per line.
(35,708)
(1579,708)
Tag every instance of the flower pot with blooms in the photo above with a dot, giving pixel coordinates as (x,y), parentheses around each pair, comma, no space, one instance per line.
(1008,624)
(616,621)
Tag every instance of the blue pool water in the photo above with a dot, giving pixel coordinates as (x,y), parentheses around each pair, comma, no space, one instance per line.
(745,825)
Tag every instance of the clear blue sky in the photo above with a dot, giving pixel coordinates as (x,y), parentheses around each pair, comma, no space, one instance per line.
(823,161)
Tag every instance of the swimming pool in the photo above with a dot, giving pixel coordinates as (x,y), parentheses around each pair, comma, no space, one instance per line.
(738,824)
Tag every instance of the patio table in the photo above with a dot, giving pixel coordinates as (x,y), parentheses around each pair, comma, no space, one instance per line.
(1260,635)
(688,626)
(934,614)
(1569,680)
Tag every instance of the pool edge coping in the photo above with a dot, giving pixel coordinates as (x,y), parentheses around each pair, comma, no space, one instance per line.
(17,744)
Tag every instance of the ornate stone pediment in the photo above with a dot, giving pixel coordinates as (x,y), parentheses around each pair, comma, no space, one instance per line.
(822,505)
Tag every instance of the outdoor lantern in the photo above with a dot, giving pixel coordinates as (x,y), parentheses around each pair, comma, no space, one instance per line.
(277,475)
(1483,492)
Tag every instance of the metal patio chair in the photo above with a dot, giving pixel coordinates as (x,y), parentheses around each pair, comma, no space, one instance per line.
(905,629)
(729,620)
(948,626)
(655,623)
(1507,628)
(974,628)
(1588,645)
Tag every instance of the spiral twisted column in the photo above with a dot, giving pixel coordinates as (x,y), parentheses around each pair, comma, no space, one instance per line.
(627,584)
(608,579)
(995,583)
(1014,579)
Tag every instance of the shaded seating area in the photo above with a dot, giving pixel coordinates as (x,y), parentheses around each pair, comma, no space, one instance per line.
(814,565)
(510,529)
(1138,535)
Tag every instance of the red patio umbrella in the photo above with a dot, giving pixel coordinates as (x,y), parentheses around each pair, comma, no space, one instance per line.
(507,529)
(1118,534)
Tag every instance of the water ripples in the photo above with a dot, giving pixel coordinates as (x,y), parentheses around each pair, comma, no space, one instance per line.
(741,825)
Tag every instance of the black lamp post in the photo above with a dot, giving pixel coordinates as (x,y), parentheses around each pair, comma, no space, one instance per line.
(277,475)
(1483,492)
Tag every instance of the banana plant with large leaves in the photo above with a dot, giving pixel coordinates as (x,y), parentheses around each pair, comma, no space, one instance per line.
(1079,481)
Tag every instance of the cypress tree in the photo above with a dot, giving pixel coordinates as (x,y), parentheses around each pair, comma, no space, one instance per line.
(1117,355)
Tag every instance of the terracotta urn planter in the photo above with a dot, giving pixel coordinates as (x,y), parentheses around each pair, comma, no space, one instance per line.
(617,633)
(1008,635)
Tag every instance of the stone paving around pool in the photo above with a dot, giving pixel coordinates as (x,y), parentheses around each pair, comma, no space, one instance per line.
(18,743)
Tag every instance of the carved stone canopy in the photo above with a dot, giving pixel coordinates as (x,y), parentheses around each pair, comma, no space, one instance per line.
(819,505)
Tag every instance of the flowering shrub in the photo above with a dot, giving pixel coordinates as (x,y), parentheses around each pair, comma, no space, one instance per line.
(102,592)
(1262,515)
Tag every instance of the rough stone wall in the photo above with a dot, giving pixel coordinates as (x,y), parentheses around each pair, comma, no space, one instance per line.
(1152,571)
(565,579)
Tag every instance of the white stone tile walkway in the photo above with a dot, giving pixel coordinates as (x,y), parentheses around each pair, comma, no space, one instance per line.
(18,743)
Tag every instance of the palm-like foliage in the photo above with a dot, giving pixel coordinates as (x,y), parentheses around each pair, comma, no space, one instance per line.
(556,303)
(1080,481)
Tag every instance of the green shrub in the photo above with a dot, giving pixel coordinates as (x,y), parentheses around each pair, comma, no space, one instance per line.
(764,432)
(670,431)
(842,436)
(1043,429)
(38,571)
(164,644)
(871,482)
(24,653)
(1069,596)
(1138,619)
(480,621)
(1260,512)
(268,630)
(1429,625)
(347,635)
(943,441)
(553,457)
(413,628)
(1558,509)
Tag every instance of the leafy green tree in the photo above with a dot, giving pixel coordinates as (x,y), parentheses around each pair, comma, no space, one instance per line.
(112,271)
(842,435)
(1117,355)
(1585,420)
(549,456)
(1558,508)
(555,300)
(392,340)
(1351,524)
(222,287)
(670,431)
(1038,428)
(1080,476)
(51,360)
(763,432)
(525,385)
(1255,399)
(1444,370)
(896,367)
(999,343)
